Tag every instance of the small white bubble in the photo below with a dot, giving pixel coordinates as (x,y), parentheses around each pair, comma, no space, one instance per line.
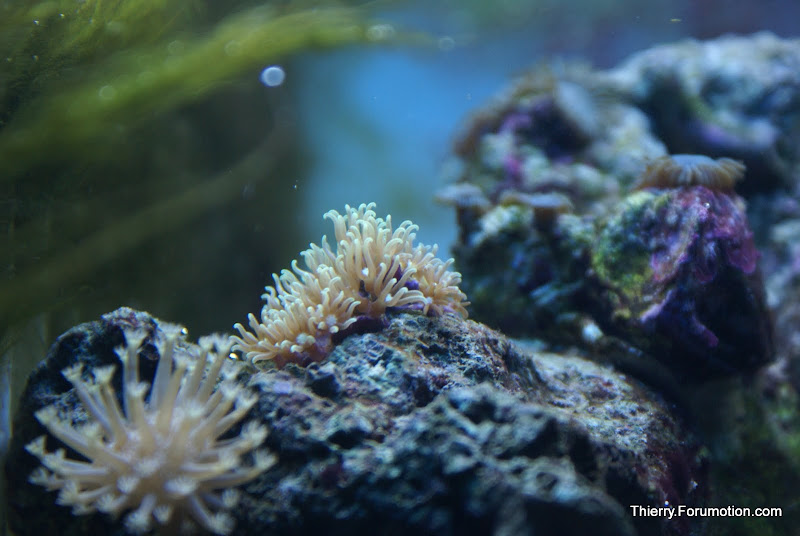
(591,332)
(272,76)
(446,43)
(107,92)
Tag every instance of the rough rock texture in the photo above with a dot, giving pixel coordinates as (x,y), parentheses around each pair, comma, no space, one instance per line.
(676,275)
(429,426)
(673,274)
(737,97)
(693,291)
(553,132)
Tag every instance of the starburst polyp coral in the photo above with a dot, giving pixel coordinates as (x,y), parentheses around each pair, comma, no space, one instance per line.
(161,460)
(373,268)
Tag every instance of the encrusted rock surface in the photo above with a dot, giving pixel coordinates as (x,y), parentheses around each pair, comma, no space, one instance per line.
(692,287)
(431,426)
(673,274)
(736,96)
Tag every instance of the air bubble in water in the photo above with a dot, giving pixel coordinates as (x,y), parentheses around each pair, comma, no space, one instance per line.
(272,76)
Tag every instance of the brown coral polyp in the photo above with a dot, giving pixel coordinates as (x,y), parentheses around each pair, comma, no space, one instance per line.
(373,267)
(677,170)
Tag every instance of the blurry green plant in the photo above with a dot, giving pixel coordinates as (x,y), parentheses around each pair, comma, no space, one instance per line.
(74,72)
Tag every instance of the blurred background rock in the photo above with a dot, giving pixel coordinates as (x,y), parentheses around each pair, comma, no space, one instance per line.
(145,162)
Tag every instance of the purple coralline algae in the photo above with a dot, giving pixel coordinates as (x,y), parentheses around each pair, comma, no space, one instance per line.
(652,248)
(544,135)
(678,259)
(676,273)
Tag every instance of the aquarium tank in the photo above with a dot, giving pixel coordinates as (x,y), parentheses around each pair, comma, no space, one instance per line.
(525,267)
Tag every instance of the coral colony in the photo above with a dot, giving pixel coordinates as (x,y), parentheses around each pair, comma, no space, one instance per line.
(372,269)
(162,457)
(577,230)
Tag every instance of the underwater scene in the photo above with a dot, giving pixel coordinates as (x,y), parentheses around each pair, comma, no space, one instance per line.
(451,268)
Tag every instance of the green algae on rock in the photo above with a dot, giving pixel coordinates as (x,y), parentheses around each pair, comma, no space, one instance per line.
(523,262)
(677,276)
(752,432)
(520,278)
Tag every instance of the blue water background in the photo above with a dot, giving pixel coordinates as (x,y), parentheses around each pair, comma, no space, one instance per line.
(380,122)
